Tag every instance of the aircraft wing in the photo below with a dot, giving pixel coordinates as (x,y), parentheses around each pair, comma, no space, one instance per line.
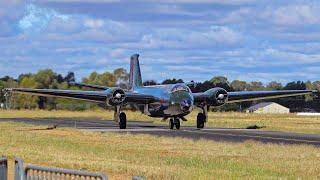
(93,96)
(93,86)
(241,96)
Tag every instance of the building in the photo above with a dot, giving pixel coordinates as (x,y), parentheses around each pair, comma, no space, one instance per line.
(268,107)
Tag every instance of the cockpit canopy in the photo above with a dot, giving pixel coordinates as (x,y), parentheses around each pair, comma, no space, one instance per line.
(180,87)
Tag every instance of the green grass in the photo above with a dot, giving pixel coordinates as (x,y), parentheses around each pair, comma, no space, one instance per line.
(277,122)
(121,156)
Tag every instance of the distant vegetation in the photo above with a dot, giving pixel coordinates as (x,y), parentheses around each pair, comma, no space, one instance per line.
(119,77)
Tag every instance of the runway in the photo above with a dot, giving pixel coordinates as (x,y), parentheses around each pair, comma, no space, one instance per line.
(215,134)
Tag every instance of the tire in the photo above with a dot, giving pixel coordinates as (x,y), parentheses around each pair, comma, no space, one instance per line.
(171,124)
(122,121)
(177,123)
(201,119)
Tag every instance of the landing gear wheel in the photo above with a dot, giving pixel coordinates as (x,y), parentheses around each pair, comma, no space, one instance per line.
(177,123)
(171,124)
(201,119)
(122,120)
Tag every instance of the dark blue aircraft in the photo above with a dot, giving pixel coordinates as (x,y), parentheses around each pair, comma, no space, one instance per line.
(173,101)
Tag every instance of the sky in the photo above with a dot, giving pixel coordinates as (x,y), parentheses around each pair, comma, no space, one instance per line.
(251,40)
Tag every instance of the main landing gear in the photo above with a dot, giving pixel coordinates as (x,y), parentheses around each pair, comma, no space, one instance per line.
(202,117)
(174,122)
(120,118)
(201,120)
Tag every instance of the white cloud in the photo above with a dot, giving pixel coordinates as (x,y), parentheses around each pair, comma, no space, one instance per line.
(47,24)
(94,23)
(171,9)
(229,2)
(58,26)
(10,12)
(11,8)
(237,16)
(283,77)
(116,53)
(76,1)
(298,14)
(176,37)
(283,57)
(216,34)
(215,37)
(38,19)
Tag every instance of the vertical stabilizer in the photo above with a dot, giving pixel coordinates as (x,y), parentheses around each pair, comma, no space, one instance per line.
(135,74)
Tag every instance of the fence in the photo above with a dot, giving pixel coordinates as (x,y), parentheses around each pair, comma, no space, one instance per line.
(3,168)
(18,170)
(35,172)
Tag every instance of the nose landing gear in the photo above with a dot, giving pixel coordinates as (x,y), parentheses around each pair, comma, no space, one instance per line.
(174,122)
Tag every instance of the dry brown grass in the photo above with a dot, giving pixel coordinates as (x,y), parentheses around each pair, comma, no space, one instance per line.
(278,122)
(121,156)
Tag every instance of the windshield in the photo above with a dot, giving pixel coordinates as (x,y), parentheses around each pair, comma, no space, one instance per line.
(180,88)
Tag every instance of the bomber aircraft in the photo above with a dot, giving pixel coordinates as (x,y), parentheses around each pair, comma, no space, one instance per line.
(171,102)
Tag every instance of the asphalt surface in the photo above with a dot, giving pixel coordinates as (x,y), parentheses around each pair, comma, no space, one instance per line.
(215,134)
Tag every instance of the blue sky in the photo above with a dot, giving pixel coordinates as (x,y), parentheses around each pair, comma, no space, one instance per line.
(252,40)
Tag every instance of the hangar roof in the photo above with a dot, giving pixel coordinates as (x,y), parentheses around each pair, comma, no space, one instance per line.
(261,105)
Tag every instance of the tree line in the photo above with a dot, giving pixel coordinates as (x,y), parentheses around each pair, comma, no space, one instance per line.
(47,78)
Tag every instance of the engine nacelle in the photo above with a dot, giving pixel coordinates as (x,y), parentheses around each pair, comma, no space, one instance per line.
(116,97)
(217,96)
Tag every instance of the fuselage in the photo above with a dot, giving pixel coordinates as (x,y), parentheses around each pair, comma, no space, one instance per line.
(175,100)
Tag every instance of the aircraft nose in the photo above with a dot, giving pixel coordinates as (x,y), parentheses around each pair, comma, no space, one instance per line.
(186,105)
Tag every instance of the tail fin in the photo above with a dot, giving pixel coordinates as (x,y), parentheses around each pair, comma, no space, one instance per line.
(135,74)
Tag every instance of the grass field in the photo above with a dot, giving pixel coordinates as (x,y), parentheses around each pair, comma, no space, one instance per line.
(121,156)
(278,122)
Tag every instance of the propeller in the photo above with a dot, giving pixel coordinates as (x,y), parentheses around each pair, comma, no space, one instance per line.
(220,96)
(118,96)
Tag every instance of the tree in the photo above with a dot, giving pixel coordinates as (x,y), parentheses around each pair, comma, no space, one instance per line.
(107,79)
(93,78)
(238,85)
(70,77)
(316,85)
(121,75)
(149,83)
(59,78)
(104,79)
(6,78)
(299,85)
(46,79)
(222,82)
(21,76)
(219,80)
(255,86)
(172,81)
(273,85)
(201,87)
(27,101)
(309,86)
